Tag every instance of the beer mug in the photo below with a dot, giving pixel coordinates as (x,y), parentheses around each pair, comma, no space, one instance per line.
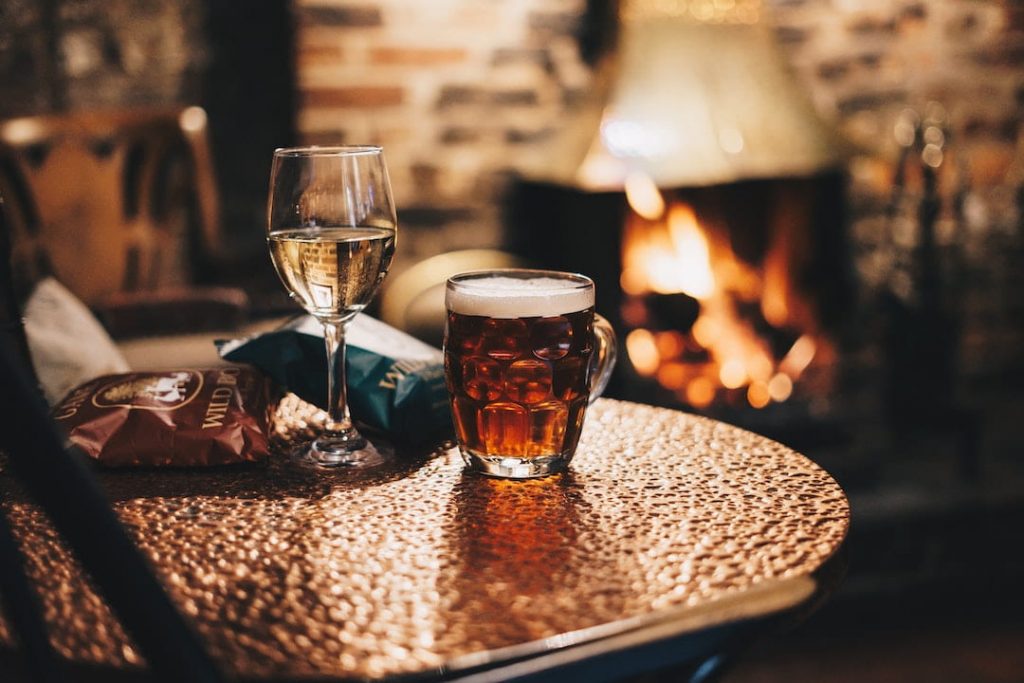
(524,355)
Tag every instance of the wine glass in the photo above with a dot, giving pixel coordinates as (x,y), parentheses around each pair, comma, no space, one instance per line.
(331,229)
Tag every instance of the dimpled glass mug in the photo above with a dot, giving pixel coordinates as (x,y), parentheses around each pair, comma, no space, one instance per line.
(524,355)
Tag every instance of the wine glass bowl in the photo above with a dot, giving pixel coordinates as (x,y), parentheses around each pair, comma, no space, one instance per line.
(332,272)
(331,230)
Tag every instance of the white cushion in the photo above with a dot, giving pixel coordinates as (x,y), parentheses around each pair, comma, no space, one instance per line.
(67,344)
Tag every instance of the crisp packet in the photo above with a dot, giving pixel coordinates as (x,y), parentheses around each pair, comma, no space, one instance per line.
(170,418)
(395,382)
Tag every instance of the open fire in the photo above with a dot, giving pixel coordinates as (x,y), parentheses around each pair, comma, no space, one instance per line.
(705,324)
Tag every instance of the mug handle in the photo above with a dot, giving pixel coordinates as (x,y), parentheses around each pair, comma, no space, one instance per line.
(602,362)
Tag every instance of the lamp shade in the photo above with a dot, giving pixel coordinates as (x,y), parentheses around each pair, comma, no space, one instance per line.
(693,98)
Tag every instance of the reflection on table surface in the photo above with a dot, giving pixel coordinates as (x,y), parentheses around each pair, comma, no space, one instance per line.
(419,564)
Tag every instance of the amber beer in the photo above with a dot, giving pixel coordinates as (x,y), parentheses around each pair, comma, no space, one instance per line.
(518,347)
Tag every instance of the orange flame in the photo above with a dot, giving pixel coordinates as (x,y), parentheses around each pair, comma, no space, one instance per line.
(667,262)
(666,251)
(644,197)
(693,256)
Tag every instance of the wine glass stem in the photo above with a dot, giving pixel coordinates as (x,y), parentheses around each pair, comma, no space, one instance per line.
(340,444)
(338,420)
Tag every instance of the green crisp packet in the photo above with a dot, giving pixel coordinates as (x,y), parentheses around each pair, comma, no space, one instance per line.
(395,382)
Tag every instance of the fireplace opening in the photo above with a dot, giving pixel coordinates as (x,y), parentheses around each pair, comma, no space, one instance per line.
(704,193)
(724,307)
(729,299)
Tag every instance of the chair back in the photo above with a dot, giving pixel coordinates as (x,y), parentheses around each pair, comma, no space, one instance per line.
(109,201)
(12,331)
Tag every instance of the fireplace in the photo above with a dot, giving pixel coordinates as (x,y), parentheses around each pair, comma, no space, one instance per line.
(728,298)
(707,204)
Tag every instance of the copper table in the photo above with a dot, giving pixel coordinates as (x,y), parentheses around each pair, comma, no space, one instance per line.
(667,526)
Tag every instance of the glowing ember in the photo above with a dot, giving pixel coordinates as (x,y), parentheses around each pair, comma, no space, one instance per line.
(643,352)
(672,375)
(758,395)
(670,344)
(780,387)
(706,332)
(700,392)
(732,374)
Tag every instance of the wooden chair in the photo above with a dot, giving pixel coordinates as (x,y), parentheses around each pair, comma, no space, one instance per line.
(120,206)
(63,485)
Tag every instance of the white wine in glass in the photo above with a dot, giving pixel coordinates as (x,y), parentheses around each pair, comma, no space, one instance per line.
(331,229)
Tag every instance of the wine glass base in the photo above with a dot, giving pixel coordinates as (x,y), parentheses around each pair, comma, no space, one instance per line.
(343,454)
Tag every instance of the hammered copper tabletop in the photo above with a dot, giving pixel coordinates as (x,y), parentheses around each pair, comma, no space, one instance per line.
(291,572)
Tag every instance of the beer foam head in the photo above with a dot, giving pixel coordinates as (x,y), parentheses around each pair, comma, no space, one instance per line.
(531,294)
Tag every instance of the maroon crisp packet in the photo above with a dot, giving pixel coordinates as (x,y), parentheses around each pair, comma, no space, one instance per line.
(176,418)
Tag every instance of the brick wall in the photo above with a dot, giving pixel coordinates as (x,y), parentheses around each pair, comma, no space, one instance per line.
(458,91)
